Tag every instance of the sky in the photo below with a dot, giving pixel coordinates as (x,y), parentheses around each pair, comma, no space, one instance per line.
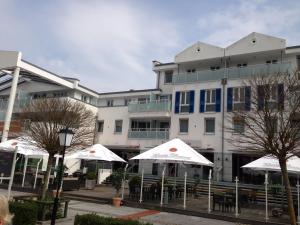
(109,45)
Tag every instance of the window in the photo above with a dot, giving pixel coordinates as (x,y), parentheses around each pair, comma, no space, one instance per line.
(241,65)
(272,93)
(239,98)
(209,125)
(168,77)
(155,169)
(100,126)
(184,101)
(191,70)
(127,101)
(210,102)
(118,126)
(213,68)
(238,125)
(183,125)
(271,125)
(109,103)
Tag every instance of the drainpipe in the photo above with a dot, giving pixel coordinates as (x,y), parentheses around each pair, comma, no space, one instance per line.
(224,82)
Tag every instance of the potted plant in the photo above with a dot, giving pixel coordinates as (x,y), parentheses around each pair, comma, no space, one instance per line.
(116,179)
(90,181)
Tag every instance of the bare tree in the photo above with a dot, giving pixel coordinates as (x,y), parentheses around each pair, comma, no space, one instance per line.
(46,117)
(270,121)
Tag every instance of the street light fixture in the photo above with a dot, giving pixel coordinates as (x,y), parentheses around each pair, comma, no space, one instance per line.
(65,139)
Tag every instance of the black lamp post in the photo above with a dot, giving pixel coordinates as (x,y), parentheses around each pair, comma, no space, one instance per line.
(65,138)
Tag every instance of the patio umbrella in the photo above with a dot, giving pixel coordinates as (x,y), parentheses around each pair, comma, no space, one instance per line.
(270,163)
(27,147)
(174,151)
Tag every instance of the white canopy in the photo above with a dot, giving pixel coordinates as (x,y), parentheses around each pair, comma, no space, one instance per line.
(270,163)
(26,146)
(96,152)
(174,151)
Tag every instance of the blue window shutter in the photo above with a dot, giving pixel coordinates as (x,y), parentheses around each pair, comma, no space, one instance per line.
(261,97)
(202,100)
(177,101)
(229,99)
(247,98)
(218,100)
(192,97)
(280,90)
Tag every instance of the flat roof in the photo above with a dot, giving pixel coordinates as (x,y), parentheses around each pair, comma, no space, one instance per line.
(130,91)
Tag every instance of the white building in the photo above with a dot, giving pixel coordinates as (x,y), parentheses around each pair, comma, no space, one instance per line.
(190,101)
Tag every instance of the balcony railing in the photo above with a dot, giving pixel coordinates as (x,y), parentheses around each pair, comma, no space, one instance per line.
(152,133)
(19,104)
(150,106)
(231,73)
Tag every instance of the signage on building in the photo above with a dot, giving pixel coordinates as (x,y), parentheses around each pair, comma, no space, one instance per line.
(6,161)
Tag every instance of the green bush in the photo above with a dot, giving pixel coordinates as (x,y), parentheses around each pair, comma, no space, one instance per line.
(93,219)
(91,176)
(135,181)
(25,213)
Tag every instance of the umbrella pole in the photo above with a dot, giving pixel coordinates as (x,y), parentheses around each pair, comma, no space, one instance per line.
(142,184)
(298,200)
(24,170)
(184,195)
(162,186)
(209,190)
(236,197)
(36,172)
(123,182)
(12,173)
(266,195)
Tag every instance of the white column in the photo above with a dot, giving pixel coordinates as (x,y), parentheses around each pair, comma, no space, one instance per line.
(123,183)
(12,173)
(36,172)
(162,186)
(10,106)
(236,197)
(298,200)
(142,184)
(24,170)
(266,195)
(209,190)
(184,194)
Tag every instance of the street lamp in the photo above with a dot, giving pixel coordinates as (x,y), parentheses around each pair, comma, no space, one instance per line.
(65,138)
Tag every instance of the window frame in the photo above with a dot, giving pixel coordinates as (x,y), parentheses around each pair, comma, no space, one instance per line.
(118,132)
(170,74)
(212,101)
(98,128)
(186,99)
(181,120)
(110,103)
(234,120)
(205,125)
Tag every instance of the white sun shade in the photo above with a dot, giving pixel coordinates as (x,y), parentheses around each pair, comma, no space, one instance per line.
(96,152)
(270,163)
(26,146)
(174,151)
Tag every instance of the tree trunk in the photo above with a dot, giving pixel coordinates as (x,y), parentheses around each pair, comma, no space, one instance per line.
(46,177)
(289,195)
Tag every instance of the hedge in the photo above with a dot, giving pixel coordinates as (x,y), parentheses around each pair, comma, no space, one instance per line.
(25,213)
(93,219)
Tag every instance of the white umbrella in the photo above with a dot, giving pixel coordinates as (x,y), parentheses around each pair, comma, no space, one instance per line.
(174,151)
(271,163)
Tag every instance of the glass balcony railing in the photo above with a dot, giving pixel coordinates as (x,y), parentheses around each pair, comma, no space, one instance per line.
(153,133)
(232,73)
(151,106)
(19,104)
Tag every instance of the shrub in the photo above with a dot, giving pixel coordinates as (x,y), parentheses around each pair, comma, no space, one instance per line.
(91,176)
(116,179)
(135,181)
(93,219)
(25,213)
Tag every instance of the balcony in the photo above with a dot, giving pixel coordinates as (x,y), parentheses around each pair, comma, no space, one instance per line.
(152,133)
(151,106)
(231,73)
(19,104)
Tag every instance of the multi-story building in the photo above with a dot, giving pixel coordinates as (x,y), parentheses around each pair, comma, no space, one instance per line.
(192,98)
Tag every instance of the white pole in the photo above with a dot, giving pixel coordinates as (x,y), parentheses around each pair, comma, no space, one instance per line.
(12,173)
(209,190)
(36,172)
(123,183)
(184,195)
(162,186)
(11,101)
(24,170)
(142,184)
(298,200)
(266,194)
(236,197)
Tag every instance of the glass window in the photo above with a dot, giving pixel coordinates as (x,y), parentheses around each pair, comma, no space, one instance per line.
(210,100)
(209,125)
(118,126)
(109,103)
(184,101)
(183,125)
(238,125)
(100,126)
(155,169)
(271,124)
(168,77)
(239,94)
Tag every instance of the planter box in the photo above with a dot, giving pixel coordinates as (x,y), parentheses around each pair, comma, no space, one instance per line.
(90,184)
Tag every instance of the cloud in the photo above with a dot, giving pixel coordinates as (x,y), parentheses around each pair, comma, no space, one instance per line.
(235,20)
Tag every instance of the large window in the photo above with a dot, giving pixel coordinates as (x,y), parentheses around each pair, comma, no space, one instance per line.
(209,125)
(210,102)
(100,126)
(184,101)
(168,77)
(183,125)
(118,126)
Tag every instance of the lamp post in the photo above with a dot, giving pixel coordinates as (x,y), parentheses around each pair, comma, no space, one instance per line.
(65,138)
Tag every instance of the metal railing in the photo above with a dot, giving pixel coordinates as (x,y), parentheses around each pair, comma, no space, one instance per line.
(150,133)
(232,73)
(150,106)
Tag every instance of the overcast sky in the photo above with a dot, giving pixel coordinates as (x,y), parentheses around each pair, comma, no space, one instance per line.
(109,45)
